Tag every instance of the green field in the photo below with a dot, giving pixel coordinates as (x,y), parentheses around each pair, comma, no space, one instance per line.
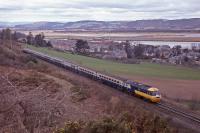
(143,69)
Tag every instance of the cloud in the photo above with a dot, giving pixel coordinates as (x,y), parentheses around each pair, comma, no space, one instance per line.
(73,10)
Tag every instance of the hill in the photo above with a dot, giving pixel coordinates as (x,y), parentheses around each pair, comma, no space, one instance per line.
(138,25)
(40,25)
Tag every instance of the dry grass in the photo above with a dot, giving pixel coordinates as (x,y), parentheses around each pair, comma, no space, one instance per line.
(27,101)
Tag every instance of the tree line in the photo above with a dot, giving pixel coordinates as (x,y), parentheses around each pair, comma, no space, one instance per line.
(7,34)
(9,38)
(82,47)
(38,40)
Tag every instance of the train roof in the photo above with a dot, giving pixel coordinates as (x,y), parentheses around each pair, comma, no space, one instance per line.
(141,86)
(152,89)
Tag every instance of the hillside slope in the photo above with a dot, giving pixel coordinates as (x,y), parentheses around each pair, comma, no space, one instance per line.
(39,97)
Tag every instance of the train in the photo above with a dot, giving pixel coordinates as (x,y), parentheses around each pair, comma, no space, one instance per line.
(146,92)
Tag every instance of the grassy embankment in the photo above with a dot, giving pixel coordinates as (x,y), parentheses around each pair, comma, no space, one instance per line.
(144,69)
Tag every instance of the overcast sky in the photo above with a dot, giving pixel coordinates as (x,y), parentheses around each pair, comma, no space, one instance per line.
(105,10)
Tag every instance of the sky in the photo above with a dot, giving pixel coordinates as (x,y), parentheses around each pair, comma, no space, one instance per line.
(102,10)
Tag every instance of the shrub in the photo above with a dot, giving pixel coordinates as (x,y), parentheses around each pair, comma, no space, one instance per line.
(79,94)
(14,57)
(194,105)
(108,125)
(70,127)
(27,59)
(126,123)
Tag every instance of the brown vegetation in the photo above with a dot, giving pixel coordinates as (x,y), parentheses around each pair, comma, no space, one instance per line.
(27,101)
(126,123)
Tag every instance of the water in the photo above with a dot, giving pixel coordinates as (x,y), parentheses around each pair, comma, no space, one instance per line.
(169,43)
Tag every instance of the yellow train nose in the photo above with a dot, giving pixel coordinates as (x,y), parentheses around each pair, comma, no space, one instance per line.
(155,99)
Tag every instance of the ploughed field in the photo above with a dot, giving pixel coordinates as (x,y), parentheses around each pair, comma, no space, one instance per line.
(174,82)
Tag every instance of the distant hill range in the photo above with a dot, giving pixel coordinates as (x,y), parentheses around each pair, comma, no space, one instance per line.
(138,25)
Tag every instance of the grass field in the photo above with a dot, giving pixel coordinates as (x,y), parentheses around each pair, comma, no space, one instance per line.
(144,69)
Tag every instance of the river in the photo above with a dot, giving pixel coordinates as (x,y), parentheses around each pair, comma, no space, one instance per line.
(169,43)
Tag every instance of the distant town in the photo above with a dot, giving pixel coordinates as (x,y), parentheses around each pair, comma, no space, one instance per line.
(120,50)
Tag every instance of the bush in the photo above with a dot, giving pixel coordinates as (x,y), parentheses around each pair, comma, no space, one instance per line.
(194,105)
(79,94)
(108,125)
(71,127)
(27,59)
(126,123)
(14,57)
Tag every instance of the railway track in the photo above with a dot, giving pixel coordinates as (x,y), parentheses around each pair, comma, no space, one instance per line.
(193,118)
